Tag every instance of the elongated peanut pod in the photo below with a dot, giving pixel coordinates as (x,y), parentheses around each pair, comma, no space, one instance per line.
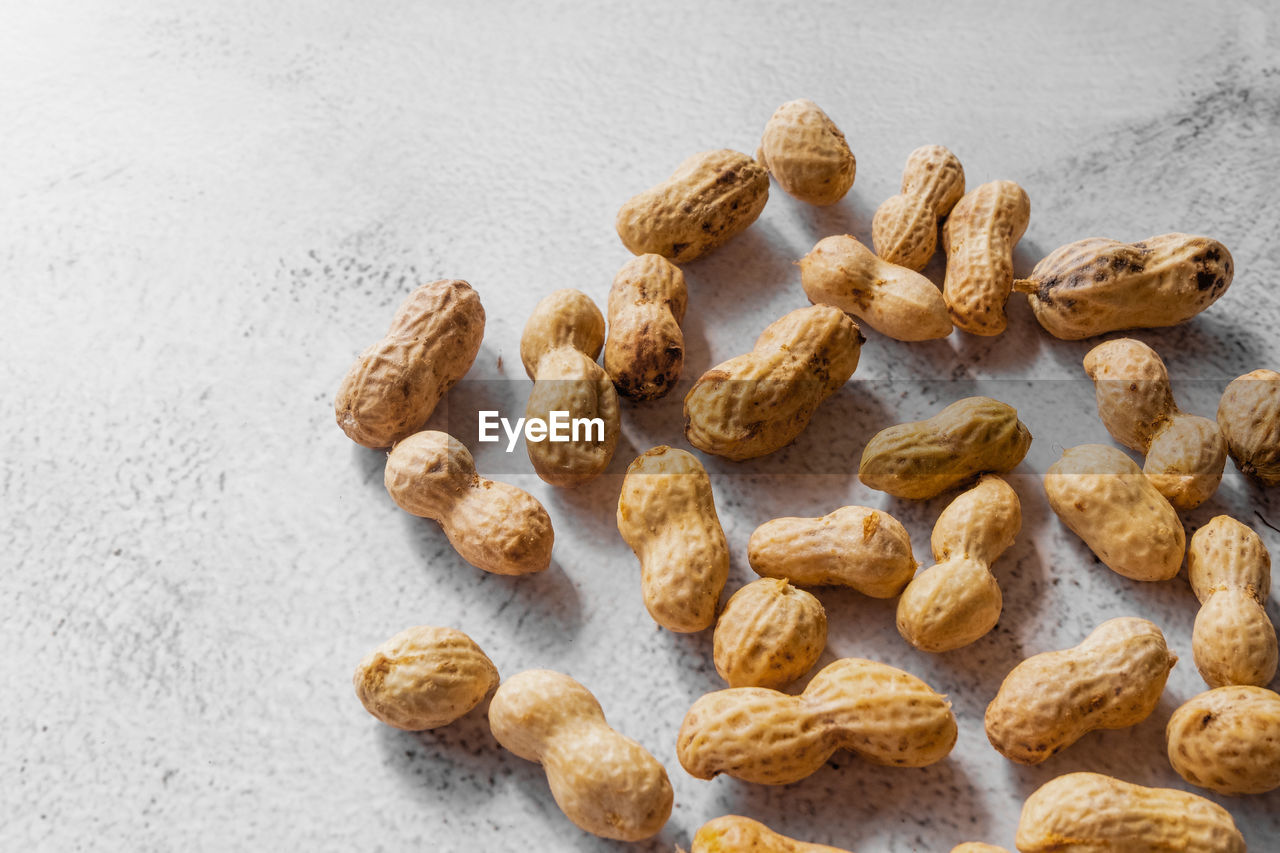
(644,352)
(904,229)
(736,834)
(978,238)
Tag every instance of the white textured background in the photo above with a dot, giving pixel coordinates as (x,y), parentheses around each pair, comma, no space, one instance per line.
(207,209)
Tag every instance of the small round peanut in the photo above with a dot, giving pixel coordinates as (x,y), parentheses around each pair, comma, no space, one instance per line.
(1185,453)
(1249,417)
(759,735)
(1233,641)
(807,154)
(1228,740)
(1112,680)
(1082,812)
(769,634)
(979,238)
(606,783)
(493,526)
(736,834)
(854,546)
(424,678)
(904,229)
(559,347)
(644,352)
(955,602)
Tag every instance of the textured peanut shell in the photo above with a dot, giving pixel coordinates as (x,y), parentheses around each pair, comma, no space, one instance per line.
(1102,496)
(667,514)
(1095,285)
(925,458)
(893,300)
(493,526)
(978,238)
(759,402)
(1092,813)
(955,602)
(1185,453)
(736,834)
(395,384)
(1249,417)
(769,634)
(1233,641)
(883,714)
(710,198)
(807,154)
(904,229)
(644,352)
(1228,740)
(854,546)
(559,346)
(604,782)
(1112,680)
(424,678)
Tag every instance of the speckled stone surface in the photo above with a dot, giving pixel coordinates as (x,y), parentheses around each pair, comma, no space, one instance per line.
(206,211)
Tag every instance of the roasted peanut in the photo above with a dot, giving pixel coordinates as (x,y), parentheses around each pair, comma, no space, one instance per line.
(493,526)
(1092,813)
(977,847)
(424,678)
(710,198)
(769,634)
(759,402)
(645,348)
(395,384)
(667,514)
(978,238)
(606,783)
(958,600)
(1112,680)
(866,549)
(904,229)
(1228,740)
(1249,417)
(760,735)
(1233,641)
(1106,500)
(735,834)
(807,154)
(922,459)
(1185,453)
(1095,286)
(893,300)
(559,347)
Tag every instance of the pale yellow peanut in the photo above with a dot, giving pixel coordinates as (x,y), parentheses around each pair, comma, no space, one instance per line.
(1185,453)
(922,459)
(1105,499)
(883,714)
(893,300)
(977,847)
(736,834)
(904,229)
(1228,740)
(644,352)
(769,634)
(759,402)
(604,782)
(667,514)
(807,154)
(1112,680)
(1249,417)
(1092,813)
(424,678)
(559,346)
(1095,285)
(978,238)
(854,546)
(493,526)
(710,198)
(1233,641)
(395,384)
(955,602)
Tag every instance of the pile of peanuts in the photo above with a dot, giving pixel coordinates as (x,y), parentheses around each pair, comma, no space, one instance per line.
(770,632)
